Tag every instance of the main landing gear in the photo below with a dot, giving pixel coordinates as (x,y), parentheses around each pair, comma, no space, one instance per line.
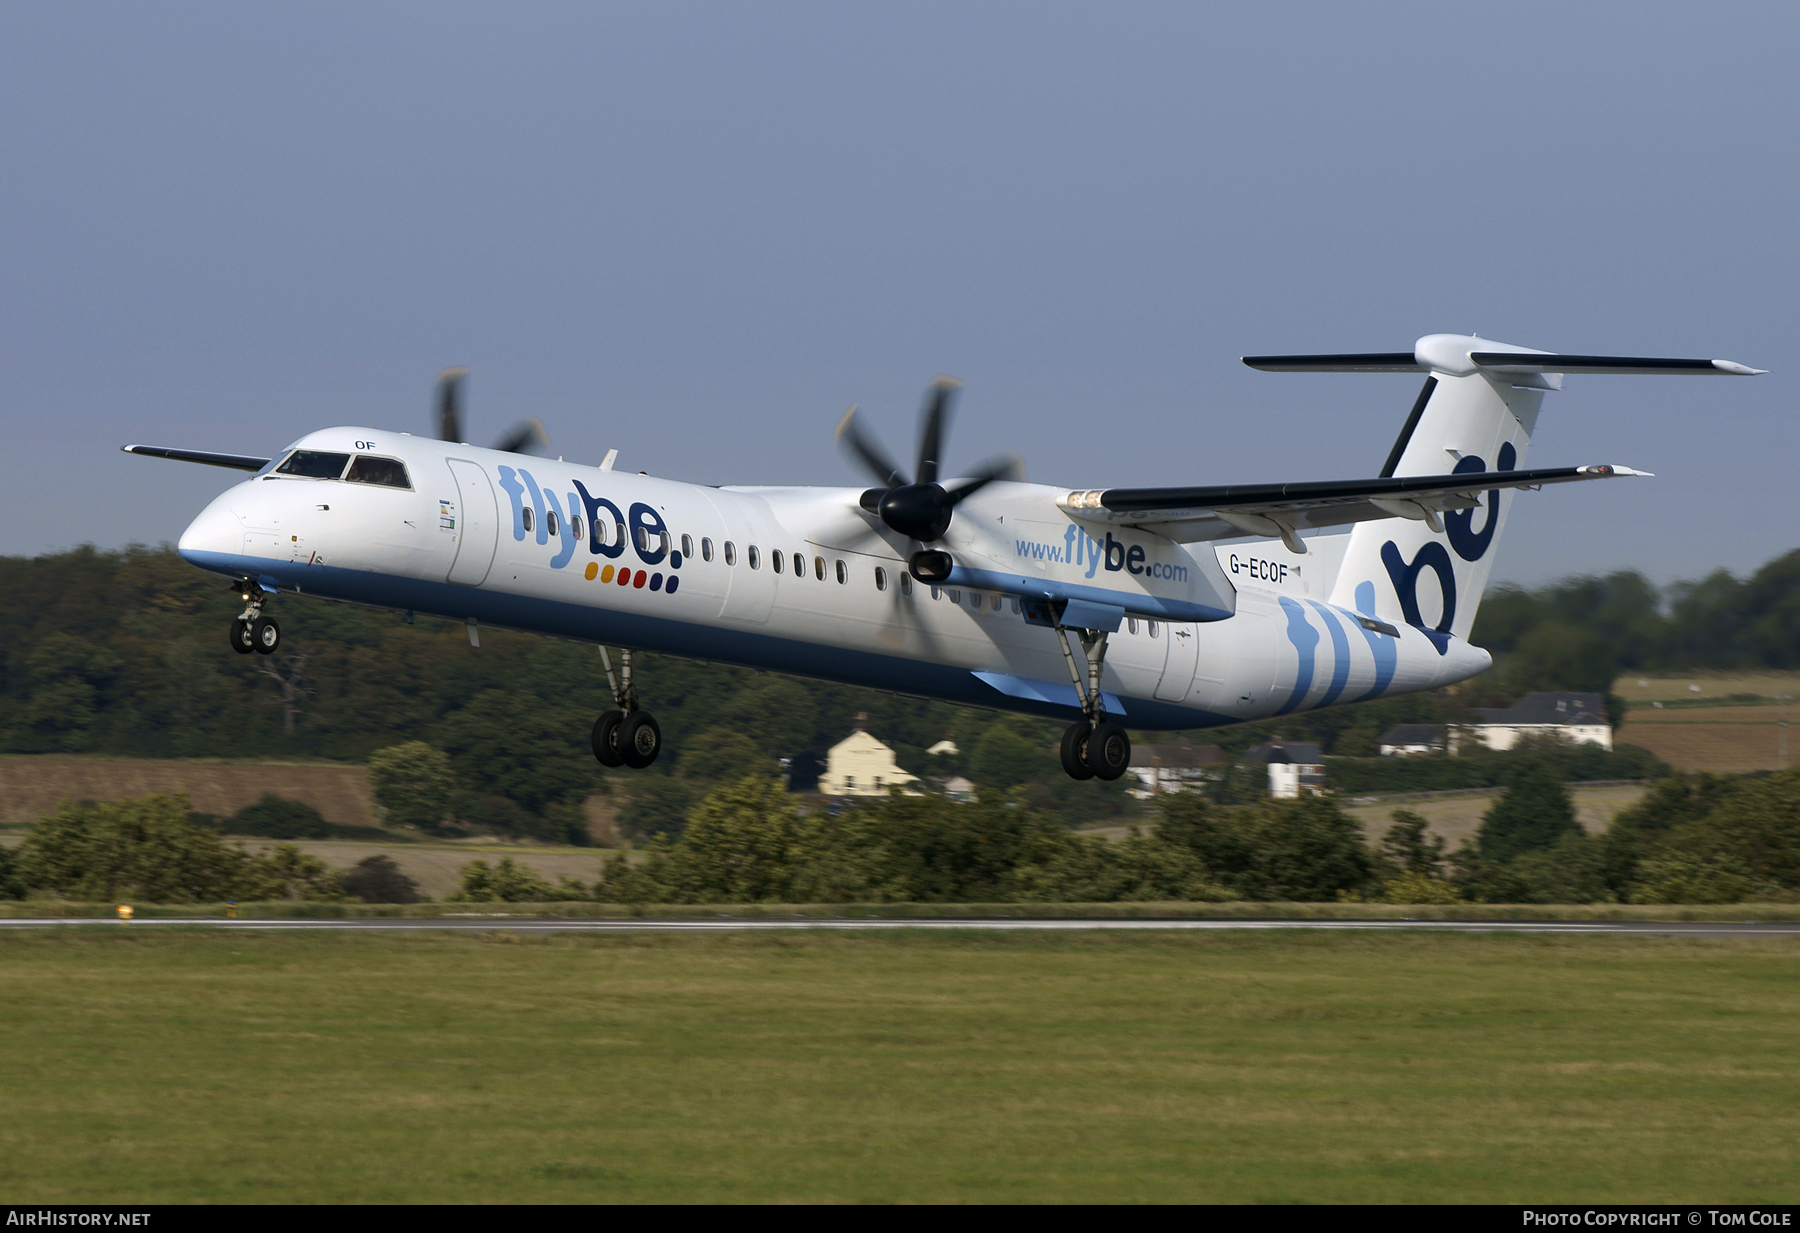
(252,631)
(1094,747)
(625,736)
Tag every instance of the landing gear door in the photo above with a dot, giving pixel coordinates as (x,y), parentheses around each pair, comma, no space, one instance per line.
(471,522)
(1183,658)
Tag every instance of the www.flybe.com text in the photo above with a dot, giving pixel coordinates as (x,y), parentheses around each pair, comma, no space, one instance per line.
(1081,549)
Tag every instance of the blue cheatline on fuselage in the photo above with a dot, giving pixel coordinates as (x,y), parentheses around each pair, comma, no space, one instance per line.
(740,647)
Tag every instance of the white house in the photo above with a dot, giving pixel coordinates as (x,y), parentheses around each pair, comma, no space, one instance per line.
(1174,767)
(1574,717)
(860,765)
(1412,741)
(1294,766)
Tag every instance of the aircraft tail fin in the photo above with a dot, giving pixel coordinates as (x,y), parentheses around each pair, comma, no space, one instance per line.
(1428,566)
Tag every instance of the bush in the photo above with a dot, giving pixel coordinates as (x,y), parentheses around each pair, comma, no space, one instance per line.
(377,879)
(1415,887)
(148,849)
(511,883)
(748,842)
(1307,849)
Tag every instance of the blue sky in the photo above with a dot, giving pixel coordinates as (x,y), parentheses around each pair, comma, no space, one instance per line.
(698,232)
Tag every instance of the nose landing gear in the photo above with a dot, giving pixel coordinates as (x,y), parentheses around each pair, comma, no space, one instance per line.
(252,631)
(625,736)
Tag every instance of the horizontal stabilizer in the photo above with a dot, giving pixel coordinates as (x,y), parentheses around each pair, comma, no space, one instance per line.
(1381,361)
(1268,510)
(237,462)
(1456,355)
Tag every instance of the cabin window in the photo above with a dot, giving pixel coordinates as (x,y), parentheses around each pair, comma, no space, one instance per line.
(955,596)
(754,558)
(1131,624)
(1015,605)
(843,573)
(529,516)
(905,583)
(777,562)
(387,472)
(575,526)
(880,577)
(799,565)
(1152,625)
(314,464)
(819,568)
(730,553)
(550,522)
(619,534)
(705,549)
(935,593)
(687,545)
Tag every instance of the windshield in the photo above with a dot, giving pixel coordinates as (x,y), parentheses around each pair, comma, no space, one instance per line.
(314,464)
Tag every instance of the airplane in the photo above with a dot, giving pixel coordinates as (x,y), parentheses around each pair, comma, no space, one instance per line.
(1173,608)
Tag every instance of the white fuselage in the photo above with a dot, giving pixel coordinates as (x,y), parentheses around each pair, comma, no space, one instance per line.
(1213,635)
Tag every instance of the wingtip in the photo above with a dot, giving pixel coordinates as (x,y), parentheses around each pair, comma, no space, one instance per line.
(1738,370)
(844,424)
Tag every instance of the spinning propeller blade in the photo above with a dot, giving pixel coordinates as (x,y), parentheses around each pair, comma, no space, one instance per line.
(921,509)
(521,438)
(449,404)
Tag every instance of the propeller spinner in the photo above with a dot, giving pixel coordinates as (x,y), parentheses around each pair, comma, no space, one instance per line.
(921,509)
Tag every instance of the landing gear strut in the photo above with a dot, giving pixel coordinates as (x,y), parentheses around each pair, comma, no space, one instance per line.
(252,631)
(1095,746)
(626,735)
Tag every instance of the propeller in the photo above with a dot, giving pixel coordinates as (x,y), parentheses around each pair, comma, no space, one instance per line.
(921,509)
(523,437)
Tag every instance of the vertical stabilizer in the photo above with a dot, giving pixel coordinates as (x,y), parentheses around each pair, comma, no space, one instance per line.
(1401,569)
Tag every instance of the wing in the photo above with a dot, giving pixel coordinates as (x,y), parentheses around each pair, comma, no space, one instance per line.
(1189,515)
(237,462)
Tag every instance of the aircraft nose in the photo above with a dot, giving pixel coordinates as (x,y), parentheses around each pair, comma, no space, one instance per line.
(214,534)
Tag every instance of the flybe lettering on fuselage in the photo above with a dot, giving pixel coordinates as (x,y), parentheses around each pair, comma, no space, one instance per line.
(1080,549)
(538,512)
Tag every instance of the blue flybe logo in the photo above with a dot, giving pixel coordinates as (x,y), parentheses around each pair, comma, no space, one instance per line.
(1468,543)
(537,511)
(1080,549)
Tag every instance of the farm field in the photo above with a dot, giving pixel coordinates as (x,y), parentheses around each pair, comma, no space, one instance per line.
(1457,816)
(194,1067)
(1721,739)
(1699,686)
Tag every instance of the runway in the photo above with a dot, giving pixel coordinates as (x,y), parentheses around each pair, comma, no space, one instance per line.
(724,924)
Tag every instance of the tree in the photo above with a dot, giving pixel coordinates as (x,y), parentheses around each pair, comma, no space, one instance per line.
(275,817)
(377,879)
(413,783)
(1533,813)
(508,744)
(1406,846)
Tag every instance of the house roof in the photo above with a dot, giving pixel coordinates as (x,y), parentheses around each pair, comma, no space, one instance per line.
(1550,708)
(1177,754)
(1298,753)
(1413,734)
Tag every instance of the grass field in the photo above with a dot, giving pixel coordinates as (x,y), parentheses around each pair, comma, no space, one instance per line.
(190,1067)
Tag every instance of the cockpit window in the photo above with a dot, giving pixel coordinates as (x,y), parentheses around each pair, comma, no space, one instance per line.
(388,472)
(314,464)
